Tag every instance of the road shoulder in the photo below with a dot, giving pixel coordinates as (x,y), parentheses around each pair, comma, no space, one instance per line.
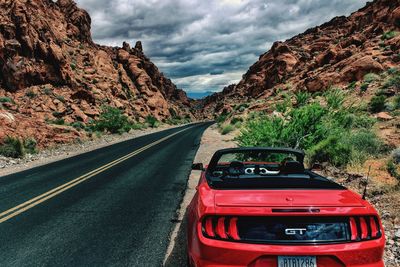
(211,141)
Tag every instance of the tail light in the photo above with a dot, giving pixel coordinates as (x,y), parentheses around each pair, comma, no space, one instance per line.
(220,227)
(364,228)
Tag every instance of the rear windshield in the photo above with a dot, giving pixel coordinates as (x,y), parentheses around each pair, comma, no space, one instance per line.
(263,169)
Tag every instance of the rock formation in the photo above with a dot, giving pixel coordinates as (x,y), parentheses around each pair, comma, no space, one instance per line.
(333,54)
(51,69)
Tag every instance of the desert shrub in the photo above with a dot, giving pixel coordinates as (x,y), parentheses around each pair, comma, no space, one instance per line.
(73,66)
(331,150)
(284,105)
(12,147)
(334,98)
(172,112)
(241,107)
(362,121)
(393,81)
(302,98)
(111,120)
(352,85)
(397,102)
(339,136)
(30,94)
(377,103)
(30,145)
(227,129)
(221,118)
(138,126)
(364,144)
(371,77)
(389,35)
(395,155)
(78,125)
(60,98)
(364,87)
(152,121)
(302,128)
(6,100)
(47,91)
(236,120)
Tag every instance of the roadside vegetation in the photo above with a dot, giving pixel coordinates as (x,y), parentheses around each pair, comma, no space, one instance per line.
(328,132)
(18,148)
(332,127)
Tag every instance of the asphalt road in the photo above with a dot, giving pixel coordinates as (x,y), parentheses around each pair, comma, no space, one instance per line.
(121,214)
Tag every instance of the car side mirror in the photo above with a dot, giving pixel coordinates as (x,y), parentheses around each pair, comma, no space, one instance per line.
(316,167)
(198,167)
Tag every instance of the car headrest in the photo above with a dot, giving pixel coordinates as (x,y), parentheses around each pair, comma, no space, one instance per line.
(292,167)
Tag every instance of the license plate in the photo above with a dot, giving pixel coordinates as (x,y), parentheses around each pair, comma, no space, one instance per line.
(290,261)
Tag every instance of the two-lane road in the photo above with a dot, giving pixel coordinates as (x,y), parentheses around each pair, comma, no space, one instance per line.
(111,206)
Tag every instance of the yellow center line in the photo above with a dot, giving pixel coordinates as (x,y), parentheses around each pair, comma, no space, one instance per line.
(10,213)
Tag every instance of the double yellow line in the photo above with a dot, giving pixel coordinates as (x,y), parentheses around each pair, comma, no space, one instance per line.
(8,214)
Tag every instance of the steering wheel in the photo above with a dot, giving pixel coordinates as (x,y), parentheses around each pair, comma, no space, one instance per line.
(236,168)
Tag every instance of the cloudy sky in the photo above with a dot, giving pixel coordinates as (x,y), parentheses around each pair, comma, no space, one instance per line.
(204,45)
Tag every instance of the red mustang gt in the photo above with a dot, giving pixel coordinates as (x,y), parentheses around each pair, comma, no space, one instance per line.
(261,207)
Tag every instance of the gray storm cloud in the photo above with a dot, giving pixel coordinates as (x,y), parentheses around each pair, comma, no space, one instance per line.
(206,45)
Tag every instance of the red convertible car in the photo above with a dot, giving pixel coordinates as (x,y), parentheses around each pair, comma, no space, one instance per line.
(261,207)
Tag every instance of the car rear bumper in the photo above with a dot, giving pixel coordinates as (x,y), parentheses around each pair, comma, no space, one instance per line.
(209,252)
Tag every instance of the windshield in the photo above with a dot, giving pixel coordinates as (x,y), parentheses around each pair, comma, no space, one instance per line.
(263,168)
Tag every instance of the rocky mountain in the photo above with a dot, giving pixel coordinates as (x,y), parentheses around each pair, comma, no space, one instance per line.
(52,70)
(336,53)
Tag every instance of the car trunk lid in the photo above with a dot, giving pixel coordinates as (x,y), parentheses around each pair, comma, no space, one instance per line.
(287,198)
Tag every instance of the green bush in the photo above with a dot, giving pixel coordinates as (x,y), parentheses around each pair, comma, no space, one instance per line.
(331,150)
(334,98)
(333,134)
(111,120)
(221,118)
(302,98)
(364,87)
(58,121)
(352,85)
(30,94)
(392,169)
(377,103)
(152,121)
(397,102)
(236,120)
(284,105)
(78,125)
(60,98)
(389,35)
(227,129)
(138,126)
(371,77)
(241,107)
(47,91)
(30,145)
(6,100)
(12,147)
(392,81)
